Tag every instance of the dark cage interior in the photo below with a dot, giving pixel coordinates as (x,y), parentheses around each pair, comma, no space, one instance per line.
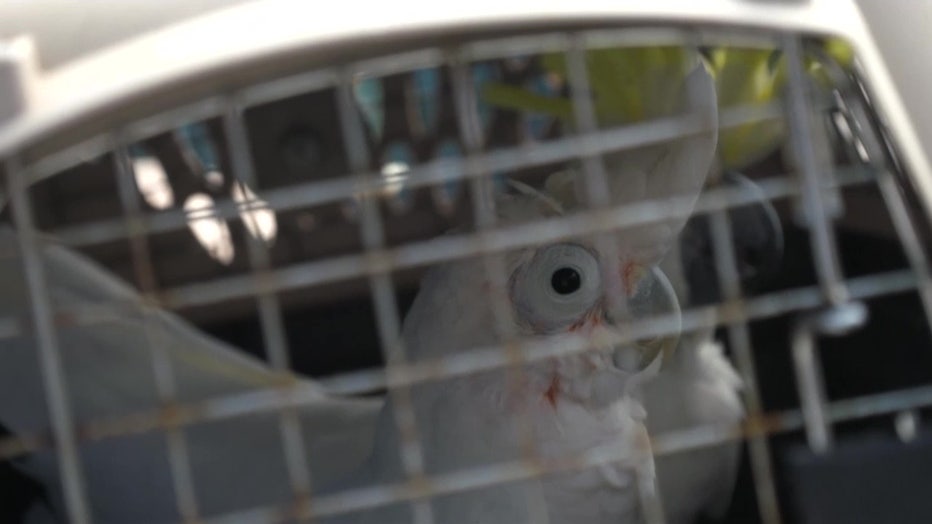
(411,118)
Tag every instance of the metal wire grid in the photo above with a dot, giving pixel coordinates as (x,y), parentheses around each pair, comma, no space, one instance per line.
(377,263)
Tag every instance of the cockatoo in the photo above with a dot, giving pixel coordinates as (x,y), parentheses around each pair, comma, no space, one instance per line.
(557,407)
(561,406)
(697,386)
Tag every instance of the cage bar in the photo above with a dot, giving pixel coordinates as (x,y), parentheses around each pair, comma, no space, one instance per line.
(178,457)
(482,193)
(813,176)
(739,338)
(597,196)
(236,405)
(270,311)
(383,299)
(862,288)
(48,349)
(416,254)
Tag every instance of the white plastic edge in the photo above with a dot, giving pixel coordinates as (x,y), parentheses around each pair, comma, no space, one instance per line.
(18,77)
(265,29)
(269,27)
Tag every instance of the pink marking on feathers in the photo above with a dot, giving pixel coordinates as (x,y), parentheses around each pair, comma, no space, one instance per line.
(631,274)
(591,319)
(553,391)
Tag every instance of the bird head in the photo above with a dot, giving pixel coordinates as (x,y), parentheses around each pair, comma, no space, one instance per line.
(574,287)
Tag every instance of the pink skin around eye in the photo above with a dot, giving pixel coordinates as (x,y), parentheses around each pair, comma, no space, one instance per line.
(587,322)
(631,274)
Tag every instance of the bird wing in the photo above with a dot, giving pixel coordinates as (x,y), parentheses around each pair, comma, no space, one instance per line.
(108,372)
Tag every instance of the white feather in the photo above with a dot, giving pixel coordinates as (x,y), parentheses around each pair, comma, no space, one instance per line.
(699,388)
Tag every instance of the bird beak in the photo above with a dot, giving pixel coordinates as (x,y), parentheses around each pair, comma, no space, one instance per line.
(652,295)
(664,347)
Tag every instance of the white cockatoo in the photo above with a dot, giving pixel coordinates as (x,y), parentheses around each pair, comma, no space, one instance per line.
(236,463)
(697,385)
(564,406)
(558,407)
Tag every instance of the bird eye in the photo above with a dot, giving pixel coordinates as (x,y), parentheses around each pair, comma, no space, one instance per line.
(558,285)
(566,280)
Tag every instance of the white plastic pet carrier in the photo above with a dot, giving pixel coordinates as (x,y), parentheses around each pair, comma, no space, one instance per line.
(490,262)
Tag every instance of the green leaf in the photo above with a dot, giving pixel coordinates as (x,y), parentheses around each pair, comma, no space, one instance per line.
(519,99)
(748,77)
(630,84)
(640,83)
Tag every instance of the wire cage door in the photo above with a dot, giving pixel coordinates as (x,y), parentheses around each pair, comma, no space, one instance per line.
(655,273)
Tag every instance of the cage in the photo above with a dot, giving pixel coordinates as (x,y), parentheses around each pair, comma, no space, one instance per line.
(491,262)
